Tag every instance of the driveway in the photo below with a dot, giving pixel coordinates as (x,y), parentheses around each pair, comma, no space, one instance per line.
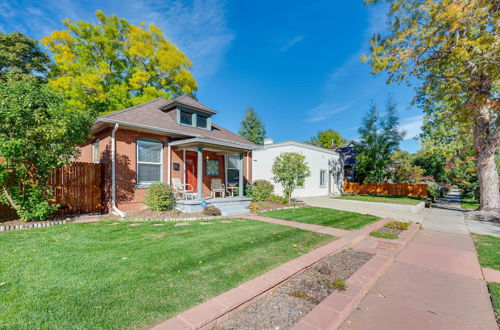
(376,209)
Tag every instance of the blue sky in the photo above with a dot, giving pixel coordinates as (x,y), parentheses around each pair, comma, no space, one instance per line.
(296,62)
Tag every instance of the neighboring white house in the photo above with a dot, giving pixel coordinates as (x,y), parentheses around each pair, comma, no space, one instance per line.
(326,165)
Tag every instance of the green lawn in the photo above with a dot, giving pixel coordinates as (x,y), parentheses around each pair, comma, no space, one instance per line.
(323,216)
(488,248)
(103,276)
(469,203)
(392,199)
(494,289)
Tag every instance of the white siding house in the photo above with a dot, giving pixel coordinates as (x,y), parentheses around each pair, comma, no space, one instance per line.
(326,165)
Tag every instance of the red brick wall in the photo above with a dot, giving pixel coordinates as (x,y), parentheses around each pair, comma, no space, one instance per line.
(128,196)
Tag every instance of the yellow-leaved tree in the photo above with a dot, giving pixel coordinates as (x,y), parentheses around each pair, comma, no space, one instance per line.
(450,49)
(114,65)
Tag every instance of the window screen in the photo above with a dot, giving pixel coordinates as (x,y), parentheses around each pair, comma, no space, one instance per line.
(149,161)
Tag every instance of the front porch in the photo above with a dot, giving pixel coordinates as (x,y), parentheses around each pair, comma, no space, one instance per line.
(210,172)
(228,206)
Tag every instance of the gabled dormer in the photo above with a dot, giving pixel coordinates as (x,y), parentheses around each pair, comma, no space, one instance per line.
(190,112)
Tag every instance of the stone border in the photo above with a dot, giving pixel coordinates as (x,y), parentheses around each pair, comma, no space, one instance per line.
(400,243)
(206,315)
(331,313)
(215,217)
(33,225)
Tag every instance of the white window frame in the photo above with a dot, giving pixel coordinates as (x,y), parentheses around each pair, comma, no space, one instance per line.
(322,184)
(226,167)
(137,162)
(94,156)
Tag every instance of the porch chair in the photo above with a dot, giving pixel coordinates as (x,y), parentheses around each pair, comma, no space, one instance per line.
(184,190)
(216,186)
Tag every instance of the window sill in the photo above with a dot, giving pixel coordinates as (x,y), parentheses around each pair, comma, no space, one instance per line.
(143,185)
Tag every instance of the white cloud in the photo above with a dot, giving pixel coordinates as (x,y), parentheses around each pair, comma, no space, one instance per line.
(289,44)
(412,126)
(324,111)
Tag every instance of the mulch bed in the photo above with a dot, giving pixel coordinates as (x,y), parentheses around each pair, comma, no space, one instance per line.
(285,305)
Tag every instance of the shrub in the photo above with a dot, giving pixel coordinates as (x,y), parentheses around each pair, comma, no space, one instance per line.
(159,197)
(277,199)
(260,190)
(432,192)
(211,210)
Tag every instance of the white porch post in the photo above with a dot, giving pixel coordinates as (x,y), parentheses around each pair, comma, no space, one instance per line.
(200,173)
(240,178)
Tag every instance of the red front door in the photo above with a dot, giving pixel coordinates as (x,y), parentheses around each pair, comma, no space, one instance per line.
(191,170)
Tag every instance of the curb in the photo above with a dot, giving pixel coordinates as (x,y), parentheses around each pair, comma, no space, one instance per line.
(334,309)
(206,314)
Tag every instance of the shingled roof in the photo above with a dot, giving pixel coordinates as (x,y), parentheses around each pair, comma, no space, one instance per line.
(158,114)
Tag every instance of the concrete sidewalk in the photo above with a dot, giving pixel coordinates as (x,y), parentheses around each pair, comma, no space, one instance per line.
(435,283)
(368,208)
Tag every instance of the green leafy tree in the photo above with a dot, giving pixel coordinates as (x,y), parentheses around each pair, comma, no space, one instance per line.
(113,65)
(379,138)
(404,170)
(38,133)
(290,170)
(450,50)
(327,138)
(252,127)
(21,57)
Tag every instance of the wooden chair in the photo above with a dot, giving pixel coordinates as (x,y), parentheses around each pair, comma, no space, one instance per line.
(184,190)
(216,186)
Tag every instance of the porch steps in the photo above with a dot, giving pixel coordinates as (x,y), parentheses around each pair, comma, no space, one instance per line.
(230,206)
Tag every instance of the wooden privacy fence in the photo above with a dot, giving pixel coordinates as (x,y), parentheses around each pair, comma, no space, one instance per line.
(400,189)
(77,189)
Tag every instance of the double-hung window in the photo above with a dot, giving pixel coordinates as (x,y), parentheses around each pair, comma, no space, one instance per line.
(322,178)
(149,161)
(233,169)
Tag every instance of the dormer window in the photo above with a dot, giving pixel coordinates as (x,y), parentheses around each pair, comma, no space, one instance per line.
(186,118)
(201,121)
(193,118)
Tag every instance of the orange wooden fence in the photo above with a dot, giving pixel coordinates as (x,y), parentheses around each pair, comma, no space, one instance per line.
(400,189)
(77,189)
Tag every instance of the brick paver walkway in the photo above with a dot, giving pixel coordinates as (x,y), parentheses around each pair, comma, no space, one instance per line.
(435,283)
(306,226)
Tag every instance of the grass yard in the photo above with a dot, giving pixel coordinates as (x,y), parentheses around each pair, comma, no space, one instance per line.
(383,234)
(488,249)
(392,199)
(469,203)
(103,276)
(323,216)
(494,289)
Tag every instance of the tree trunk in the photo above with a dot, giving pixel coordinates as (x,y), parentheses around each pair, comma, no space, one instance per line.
(486,143)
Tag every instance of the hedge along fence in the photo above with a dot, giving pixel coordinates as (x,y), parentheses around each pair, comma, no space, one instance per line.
(77,189)
(400,189)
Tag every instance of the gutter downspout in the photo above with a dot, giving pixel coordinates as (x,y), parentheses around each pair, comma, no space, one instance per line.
(113,173)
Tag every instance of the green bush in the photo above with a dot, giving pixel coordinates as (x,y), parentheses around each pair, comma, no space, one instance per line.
(211,210)
(432,192)
(277,199)
(159,197)
(260,190)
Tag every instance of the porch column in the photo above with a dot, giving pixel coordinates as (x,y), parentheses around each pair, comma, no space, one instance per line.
(240,179)
(200,173)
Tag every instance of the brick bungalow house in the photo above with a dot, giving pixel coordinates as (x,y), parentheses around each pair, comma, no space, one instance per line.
(160,140)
